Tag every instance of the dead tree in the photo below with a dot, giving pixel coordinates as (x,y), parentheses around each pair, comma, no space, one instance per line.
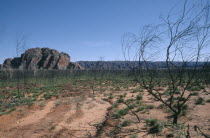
(179,41)
(20,47)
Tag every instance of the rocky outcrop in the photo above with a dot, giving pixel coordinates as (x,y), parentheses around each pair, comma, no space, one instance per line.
(7,63)
(63,61)
(41,58)
(75,66)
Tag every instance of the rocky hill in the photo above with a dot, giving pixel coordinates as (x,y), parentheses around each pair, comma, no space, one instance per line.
(46,58)
(127,65)
(41,58)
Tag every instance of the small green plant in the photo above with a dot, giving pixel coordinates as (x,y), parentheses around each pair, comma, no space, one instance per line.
(120,100)
(126,123)
(150,106)
(194,93)
(133,136)
(57,103)
(177,91)
(42,104)
(115,105)
(154,125)
(52,127)
(139,97)
(140,109)
(123,112)
(12,109)
(120,113)
(200,100)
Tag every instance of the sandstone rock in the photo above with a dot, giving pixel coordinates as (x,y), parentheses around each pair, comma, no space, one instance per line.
(41,58)
(63,61)
(32,57)
(16,62)
(75,66)
(7,63)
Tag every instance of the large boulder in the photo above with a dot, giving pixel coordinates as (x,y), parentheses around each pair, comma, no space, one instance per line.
(40,58)
(49,59)
(63,61)
(7,63)
(75,66)
(16,62)
(32,57)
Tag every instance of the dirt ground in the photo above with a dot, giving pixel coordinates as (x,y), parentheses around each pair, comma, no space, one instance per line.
(91,116)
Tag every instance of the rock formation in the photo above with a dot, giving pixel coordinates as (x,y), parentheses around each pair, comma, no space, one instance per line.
(75,66)
(41,58)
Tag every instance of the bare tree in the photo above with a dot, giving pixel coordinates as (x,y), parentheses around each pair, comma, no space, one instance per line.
(20,47)
(179,41)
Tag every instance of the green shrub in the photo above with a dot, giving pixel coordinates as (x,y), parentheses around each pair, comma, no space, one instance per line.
(140,109)
(126,123)
(116,116)
(120,100)
(27,101)
(154,125)
(123,112)
(132,106)
(177,91)
(151,122)
(133,136)
(200,100)
(139,97)
(208,101)
(194,93)
(150,106)
(57,103)
(12,109)
(115,105)
(42,104)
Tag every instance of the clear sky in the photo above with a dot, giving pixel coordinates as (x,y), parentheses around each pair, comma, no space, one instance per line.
(85,29)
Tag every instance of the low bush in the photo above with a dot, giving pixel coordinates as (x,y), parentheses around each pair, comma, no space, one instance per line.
(200,100)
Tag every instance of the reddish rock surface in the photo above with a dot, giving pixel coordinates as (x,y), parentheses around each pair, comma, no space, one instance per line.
(40,58)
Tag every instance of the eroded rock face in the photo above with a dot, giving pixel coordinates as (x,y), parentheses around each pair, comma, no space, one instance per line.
(63,61)
(75,66)
(7,63)
(39,58)
(32,57)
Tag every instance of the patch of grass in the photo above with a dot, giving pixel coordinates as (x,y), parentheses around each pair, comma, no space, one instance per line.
(177,91)
(154,125)
(151,122)
(57,103)
(120,113)
(132,106)
(52,127)
(11,109)
(115,105)
(42,104)
(200,100)
(123,112)
(20,110)
(126,123)
(139,97)
(208,101)
(194,93)
(140,109)
(150,106)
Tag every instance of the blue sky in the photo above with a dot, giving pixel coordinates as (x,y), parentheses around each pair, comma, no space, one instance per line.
(85,29)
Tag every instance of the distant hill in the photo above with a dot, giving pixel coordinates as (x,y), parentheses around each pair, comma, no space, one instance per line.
(126,65)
